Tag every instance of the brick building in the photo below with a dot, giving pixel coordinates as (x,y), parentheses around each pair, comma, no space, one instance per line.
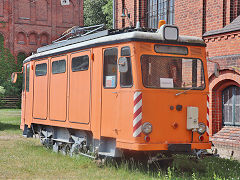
(28,24)
(218,23)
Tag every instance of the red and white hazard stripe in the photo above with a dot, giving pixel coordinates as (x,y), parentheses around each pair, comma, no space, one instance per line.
(137,114)
(207,115)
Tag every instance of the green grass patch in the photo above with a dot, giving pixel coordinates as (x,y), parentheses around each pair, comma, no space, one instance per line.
(22,158)
(10,121)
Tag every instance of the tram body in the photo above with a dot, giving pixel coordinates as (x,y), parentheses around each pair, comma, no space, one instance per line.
(134,91)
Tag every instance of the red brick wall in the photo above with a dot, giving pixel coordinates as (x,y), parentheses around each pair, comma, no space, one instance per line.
(137,10)
(217,85)
(36,22)
(214,14)
(223,44)
(188,17)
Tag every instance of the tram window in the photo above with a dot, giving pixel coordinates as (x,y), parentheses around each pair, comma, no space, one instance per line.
(125,51)
(27,77)
(172,72)
(126,77)
(110,68)
(58,66)
(80,63)
(23,80)
(41,69)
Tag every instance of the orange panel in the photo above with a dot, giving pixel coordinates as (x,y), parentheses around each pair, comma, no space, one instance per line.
(110,94)
(40,93)
(79,96)
(171,125)
(58,92)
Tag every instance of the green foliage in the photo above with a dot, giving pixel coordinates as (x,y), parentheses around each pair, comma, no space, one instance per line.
(2,91)
(98,12)
(7,67)
(108,12)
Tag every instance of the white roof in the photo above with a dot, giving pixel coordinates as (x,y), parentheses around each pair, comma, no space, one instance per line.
(132,36)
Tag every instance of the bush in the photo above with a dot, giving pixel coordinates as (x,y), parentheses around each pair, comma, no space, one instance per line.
(98,12)
(8,65)
(2,91)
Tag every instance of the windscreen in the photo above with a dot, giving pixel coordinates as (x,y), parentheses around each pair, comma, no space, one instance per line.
(172,72)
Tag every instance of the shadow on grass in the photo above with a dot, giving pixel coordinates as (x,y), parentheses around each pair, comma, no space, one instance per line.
(132,165)
(184,167)
(6,126)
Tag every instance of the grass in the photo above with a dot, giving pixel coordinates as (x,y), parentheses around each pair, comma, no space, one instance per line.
(22,158)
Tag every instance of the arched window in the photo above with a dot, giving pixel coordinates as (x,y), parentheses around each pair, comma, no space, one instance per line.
(44,39)
(21,38)
(231,106)
(33,39)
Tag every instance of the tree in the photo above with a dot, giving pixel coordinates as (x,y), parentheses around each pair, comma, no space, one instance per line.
(7,66)
(98,12)
(108,12)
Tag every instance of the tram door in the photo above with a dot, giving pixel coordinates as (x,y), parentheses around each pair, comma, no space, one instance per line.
(40,90)
(58,89)
(23,97)
(27,103)
(110,93)
(79,91)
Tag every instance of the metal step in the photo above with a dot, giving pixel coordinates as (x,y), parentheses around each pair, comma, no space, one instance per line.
(63,140)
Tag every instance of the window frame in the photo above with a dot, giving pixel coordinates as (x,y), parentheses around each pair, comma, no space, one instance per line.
(27,77)
(130,63)
(58,62)
(183,47)
(162,10)
(116,80)
(78,57)
(233,123)
(24,79)
(195,88)
(36,70)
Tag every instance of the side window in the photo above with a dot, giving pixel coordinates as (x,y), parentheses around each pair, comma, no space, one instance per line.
(41,69)
(27,77)
(80,63)
(59,66)
(126,77)
(23,80)
(110,68)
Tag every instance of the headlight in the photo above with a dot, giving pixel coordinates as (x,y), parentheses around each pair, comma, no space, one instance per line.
(202,128)
(147,128)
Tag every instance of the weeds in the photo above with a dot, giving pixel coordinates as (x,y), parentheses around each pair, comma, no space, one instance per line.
(26,159)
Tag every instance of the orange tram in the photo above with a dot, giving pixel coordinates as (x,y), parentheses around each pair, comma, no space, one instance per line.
(110,92)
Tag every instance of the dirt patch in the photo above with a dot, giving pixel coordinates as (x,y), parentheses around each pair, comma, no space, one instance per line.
(227,152)
(9,137)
